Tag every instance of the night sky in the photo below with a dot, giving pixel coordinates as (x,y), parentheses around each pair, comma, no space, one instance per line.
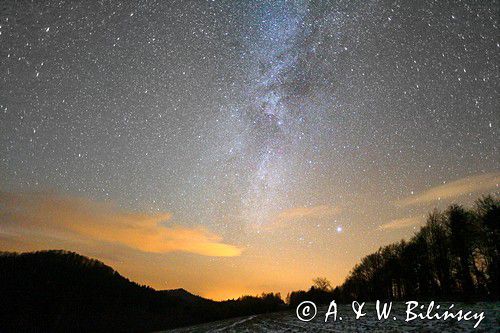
(236,147)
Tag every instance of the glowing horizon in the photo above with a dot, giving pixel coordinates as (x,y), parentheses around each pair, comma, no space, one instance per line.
(240,147)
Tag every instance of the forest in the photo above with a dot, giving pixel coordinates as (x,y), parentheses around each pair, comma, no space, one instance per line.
(454,256)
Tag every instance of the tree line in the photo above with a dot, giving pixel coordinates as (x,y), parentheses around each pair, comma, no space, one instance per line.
(454,256)
(61,291)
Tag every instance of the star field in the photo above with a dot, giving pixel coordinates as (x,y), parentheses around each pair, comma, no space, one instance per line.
(290,129)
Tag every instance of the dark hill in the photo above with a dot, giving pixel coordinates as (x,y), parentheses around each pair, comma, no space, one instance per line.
(186,297)
(60,291)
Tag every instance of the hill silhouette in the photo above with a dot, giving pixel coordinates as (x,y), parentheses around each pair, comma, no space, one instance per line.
(186,297)
(61,291)
(454,256)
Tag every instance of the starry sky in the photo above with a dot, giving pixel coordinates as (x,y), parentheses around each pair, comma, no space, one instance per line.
(237,147)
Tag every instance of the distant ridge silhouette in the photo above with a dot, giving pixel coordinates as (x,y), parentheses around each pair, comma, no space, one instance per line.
(61,291)
(454,256)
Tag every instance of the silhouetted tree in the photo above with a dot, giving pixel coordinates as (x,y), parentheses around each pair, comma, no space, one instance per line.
(488,212)
(322,283)
(462,241)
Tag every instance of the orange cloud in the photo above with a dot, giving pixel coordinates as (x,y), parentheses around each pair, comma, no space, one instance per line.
(303,213)
(401,223)
(454,189)
(78,218)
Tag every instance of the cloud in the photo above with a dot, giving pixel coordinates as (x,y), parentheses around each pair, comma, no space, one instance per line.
(304,213)
(401,223)
(454,189)
(82,219)
(315,212)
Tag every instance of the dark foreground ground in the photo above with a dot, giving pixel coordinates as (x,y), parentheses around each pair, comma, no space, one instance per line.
(288,322)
